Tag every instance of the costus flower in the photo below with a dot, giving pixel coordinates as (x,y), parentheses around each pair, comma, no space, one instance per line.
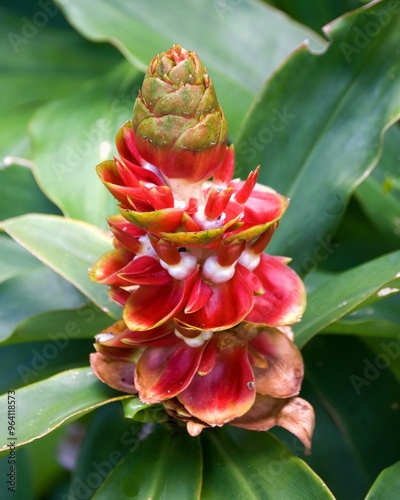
(248,376)
(206,312)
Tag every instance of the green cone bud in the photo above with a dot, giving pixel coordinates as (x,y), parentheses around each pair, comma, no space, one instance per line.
(179,125)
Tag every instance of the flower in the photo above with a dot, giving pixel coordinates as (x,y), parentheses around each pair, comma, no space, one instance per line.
(206,313)
(183,258)
(179,125)
(248,376)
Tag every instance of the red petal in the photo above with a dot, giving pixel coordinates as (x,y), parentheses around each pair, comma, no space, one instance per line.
(106,269)
(116,374)
(217,202)
(199,296)
(236,298)
(209,358)
(247,187)
(225,393)
(264,205)
(163,372)
(126,233)
(144,270)
(295,415)
(119,295)
(284,300)
(148,306)
(283,372)
(124,339)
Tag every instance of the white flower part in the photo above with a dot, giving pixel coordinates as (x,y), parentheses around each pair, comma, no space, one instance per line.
(217,273)
(196,341)
(181,270)
(249,259)
(146,247)
(103,337)
(206,223)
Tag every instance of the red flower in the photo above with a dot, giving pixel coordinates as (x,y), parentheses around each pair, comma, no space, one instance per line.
(182,258)
(247,376)
(205,311)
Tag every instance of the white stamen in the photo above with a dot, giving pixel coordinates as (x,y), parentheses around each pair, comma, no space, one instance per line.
(181,271)
(196,341)
(103,337)
(206,223)
(249,259)
(146,248)
(217,273)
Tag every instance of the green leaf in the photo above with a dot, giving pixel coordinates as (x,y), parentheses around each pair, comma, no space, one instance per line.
(382,319)
(316,146)
(141,412)
(387,484)
(109,437)
(346,291)
(238,62)
(19,193)
(379,193)
(31,362)
(164,465)
(355,398)
(81,323)
(67,246)
(71,136)
(253,465)
(314,13)
(28,288)
(46,405)
(30,60)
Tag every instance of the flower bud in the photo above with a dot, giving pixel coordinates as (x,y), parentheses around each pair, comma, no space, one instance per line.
(178,123)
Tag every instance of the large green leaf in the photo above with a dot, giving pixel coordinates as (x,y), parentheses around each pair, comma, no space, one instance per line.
(379,193)
(314,13)
(317,127)
(67,246)
(19,193)
(387,485)
(31,362)
(27,288)
(381,319)
(81,323)
(46,405)
(347,291)
(165,465)
(109,437)
(252,465)
(355,397)
(71,136)
(32,71)
(222,34)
